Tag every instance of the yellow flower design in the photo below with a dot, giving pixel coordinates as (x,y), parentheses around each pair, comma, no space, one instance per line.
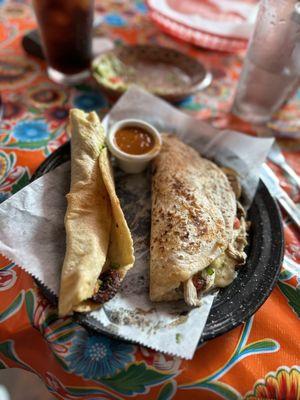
(282,385)
(5,165)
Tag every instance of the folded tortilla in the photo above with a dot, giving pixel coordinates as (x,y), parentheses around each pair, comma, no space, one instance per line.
(97,235)
(193,212)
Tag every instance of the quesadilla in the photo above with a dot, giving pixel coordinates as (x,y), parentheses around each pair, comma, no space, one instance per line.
(198,229)
(99,247)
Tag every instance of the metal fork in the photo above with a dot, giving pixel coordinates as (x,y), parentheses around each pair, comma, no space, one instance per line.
(278,158)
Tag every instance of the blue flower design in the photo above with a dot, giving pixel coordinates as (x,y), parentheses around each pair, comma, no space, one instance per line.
(90,101)
(3,196)
(141,7)
(186,102)
(31,131)
(96,356)
(114,19)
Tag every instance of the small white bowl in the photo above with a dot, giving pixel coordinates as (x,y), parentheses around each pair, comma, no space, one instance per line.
(130,163)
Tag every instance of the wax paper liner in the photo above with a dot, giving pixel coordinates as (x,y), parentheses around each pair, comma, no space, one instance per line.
(32,229)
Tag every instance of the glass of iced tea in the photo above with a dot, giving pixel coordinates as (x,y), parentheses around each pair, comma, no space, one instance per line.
(66,32)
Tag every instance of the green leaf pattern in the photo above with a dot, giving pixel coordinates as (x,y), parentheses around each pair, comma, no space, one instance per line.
(167,391)
(293,296)
(135,379)
(242,350)
(225,391)
(138,377)
(13,308)
(29,303)
(23,181)
(7,350)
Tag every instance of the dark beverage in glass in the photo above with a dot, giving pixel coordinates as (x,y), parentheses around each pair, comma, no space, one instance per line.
(66,31)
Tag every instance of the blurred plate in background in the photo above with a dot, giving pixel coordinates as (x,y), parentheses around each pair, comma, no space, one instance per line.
(162,71)
(215,24)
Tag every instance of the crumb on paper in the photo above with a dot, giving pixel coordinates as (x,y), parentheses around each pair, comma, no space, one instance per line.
(178,338)
(140,319)
(127,317)
(180,320)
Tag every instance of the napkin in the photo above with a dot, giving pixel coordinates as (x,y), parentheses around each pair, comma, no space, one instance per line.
(32,228)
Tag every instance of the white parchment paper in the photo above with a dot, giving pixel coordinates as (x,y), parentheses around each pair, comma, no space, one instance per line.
(32,228)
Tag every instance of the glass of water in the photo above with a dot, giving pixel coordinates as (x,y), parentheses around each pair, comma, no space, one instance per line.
(272,65)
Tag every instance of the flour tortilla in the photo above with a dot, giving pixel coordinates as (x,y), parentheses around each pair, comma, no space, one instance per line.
(94,220)
(193,211)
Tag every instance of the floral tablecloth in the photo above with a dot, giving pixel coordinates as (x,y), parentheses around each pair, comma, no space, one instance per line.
(258,360)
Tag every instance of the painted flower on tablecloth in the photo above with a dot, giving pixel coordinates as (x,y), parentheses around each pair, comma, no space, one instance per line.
(16,71)
(186,103)
(7,279)
(162,362)
(3,196)
(96,356)
(6,163)
(55,386)
(57,332)
(57,114)
(283,384)
(114,19)
(12,110)
(90,101)
(16,10)
(141,7)
(12,177)
(27,131)
(8,31)
(46,95)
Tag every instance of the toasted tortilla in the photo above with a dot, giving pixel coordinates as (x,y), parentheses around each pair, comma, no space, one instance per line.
(193,212)
(94,220)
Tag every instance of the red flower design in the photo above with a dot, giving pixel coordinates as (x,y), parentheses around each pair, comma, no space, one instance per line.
(57,387)
(45,96)
(162,362)
(57,114)
(284,384)
(52,328)
(12,110)
(7,279)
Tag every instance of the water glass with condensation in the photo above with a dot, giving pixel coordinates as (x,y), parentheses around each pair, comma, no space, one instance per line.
(272,65)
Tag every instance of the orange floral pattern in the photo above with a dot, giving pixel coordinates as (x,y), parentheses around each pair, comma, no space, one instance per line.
(74,363)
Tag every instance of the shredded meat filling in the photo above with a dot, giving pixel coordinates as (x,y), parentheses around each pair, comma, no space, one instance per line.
(198,282)
(190,293)
(235,249)
(108,287)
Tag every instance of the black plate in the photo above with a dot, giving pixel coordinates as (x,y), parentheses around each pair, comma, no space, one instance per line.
(255,281)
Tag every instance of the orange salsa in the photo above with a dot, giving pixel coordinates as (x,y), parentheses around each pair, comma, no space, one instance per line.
(134,140)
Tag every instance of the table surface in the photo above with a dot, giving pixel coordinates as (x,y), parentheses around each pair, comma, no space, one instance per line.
(258,360)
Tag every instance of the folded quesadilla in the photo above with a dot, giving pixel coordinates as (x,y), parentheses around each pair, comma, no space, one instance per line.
(99,247)
(198,229)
